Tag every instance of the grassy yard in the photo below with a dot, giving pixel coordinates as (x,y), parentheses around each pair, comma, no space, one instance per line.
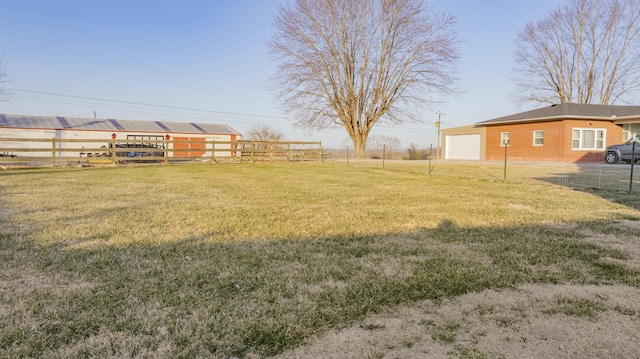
(242,260)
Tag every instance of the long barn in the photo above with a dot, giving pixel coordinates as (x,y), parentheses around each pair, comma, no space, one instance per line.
(184,139)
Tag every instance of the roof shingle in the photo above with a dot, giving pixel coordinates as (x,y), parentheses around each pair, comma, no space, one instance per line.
(569,110)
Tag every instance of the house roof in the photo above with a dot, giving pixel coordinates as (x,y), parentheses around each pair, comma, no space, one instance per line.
(112,125)
(570,111)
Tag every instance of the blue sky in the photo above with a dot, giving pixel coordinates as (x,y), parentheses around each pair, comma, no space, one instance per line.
(210,59)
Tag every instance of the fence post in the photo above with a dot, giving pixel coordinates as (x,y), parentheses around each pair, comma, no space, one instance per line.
(384,149)
(234,150)
(347,155)
(633,161)
(253,150)
(213,151)
(113,151)
(53,150)
(430,156)
(321,154)
(506,145)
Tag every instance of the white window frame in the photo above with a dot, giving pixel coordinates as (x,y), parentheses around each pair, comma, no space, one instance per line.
(504,138)
(540,137)
(600,135)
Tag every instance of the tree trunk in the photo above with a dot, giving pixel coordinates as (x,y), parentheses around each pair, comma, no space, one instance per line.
(359,144)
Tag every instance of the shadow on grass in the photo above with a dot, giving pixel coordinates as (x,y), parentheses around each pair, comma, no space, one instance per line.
(200,298)
(611,182)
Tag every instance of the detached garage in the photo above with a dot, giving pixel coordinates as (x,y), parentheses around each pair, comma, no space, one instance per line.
(464,143)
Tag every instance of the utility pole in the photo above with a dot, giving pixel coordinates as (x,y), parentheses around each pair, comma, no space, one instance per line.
(438,126)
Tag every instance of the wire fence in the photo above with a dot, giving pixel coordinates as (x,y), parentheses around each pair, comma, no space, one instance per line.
(579,176)
(618,178)
(590,172)
(16,153)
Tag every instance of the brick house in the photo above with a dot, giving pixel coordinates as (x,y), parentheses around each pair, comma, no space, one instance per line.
(558,133)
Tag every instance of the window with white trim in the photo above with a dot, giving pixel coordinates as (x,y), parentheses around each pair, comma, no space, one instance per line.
(538,138)
(504,139)
(588,139)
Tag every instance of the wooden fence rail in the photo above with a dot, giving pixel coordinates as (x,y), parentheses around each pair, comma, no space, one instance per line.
(38,152)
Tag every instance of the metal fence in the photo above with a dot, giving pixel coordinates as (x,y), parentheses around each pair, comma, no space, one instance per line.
(580,176)
(616,177)
(48,152)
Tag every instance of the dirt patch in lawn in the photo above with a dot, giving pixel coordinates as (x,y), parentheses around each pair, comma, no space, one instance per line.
(532,321)
(628,245)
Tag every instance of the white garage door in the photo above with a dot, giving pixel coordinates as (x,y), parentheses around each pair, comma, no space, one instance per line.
(463,147)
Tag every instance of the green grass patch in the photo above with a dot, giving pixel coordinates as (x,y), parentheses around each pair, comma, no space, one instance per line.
(577,307)
(235,260)
(445,334)
(472,353)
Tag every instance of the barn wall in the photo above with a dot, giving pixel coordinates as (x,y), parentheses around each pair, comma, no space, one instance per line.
(94,148)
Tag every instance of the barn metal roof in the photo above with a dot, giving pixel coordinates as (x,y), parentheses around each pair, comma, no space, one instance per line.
(114,125)
(570,110)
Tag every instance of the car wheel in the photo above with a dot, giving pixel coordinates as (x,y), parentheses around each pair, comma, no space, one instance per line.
(611,157)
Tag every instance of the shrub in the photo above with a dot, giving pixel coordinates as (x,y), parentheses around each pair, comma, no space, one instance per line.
(414,153)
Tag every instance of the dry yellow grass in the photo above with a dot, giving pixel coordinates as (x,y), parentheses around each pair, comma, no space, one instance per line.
(251,260)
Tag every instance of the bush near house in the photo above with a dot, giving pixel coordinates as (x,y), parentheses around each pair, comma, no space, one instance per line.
(414,153)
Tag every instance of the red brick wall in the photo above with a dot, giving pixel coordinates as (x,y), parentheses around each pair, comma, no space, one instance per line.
(557,141)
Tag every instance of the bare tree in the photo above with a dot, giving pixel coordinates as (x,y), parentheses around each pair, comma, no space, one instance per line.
(3,80)
(262,132)
(356,63)
(378,144)
(587,51)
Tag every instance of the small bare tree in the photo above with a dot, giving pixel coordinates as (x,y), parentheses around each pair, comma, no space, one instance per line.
(356,63)
(3,80)
(378,144)
(262,132)
(587,51)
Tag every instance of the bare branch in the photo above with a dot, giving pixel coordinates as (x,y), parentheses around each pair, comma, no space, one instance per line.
(587,51)
(262,132)
(377,145)
(3,79)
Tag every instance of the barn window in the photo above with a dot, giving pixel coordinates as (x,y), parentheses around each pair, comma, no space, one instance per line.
(538,138)
(504,139)
(588,139)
